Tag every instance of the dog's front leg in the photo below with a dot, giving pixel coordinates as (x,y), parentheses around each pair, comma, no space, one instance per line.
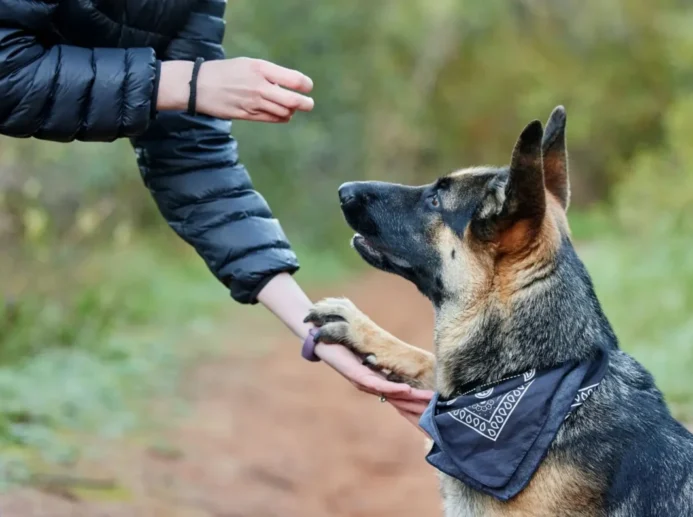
(341,322)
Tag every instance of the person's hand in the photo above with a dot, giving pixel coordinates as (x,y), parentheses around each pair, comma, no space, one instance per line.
(283,296)
(408,401)
(240,88)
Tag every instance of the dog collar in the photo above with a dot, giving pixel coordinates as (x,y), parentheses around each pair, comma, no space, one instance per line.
(494,437)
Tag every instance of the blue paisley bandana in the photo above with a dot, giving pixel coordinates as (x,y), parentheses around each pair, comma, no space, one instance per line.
(493,437)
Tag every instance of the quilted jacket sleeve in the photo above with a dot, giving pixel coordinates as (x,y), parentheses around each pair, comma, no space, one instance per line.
(191,166)
(64,93)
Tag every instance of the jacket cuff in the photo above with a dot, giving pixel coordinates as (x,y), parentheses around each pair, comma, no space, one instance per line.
(245,291)
(155,93)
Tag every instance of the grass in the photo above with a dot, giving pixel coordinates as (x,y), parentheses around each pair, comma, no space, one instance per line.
(81,355)
(645,284)
(94,336)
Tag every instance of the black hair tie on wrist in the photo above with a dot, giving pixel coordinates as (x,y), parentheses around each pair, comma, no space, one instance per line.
(192,101)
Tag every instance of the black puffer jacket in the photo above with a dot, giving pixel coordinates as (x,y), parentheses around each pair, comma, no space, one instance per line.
(86,69)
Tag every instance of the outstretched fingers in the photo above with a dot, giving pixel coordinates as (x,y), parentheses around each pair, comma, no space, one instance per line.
(285,77)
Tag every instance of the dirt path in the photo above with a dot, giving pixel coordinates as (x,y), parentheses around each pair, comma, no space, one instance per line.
(276,436)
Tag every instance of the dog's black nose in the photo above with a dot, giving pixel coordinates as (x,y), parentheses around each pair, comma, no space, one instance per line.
(347,193)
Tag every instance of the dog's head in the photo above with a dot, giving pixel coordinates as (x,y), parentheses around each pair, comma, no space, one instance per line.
(472,230)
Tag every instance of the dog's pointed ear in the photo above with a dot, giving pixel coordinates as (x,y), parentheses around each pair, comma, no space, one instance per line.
(525,195)
(555,157)
(519,196)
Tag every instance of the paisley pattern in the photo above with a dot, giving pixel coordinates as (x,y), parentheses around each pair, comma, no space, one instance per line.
(494,436)
(490,416)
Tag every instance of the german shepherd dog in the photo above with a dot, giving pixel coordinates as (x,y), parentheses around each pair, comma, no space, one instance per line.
(491,248)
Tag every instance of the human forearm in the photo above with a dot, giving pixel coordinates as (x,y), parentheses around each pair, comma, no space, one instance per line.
(174,85)
(287,301)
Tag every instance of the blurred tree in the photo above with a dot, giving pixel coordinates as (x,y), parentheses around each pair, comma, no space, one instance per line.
(405,92)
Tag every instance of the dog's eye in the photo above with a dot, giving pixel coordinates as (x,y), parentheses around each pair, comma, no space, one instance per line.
(434,201)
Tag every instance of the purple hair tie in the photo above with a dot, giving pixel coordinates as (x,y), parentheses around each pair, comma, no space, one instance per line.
(308,350)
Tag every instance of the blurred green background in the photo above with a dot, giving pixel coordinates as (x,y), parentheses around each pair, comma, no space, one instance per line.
(101,306)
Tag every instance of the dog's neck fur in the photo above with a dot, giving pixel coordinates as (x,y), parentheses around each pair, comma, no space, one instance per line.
(556,319)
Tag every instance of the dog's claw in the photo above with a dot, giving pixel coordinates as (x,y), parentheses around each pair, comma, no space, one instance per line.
(371,360)
(318,318)
(333,333)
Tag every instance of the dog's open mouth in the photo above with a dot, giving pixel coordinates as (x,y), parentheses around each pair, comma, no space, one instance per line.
(364,247)
(376,256)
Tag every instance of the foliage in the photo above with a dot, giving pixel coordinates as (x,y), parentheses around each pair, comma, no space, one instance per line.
(97,297)
(646,288)
(84,358)
(404,92)
(409,92)
(86,355)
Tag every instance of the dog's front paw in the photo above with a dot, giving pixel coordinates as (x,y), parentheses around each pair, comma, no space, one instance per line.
(340,322)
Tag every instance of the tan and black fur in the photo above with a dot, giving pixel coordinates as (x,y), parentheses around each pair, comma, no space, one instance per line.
(491,248)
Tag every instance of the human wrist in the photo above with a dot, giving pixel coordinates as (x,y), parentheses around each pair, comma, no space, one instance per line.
(287,301)
(174,85)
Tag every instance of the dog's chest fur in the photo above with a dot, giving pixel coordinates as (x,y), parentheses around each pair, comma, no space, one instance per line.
(554,491)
